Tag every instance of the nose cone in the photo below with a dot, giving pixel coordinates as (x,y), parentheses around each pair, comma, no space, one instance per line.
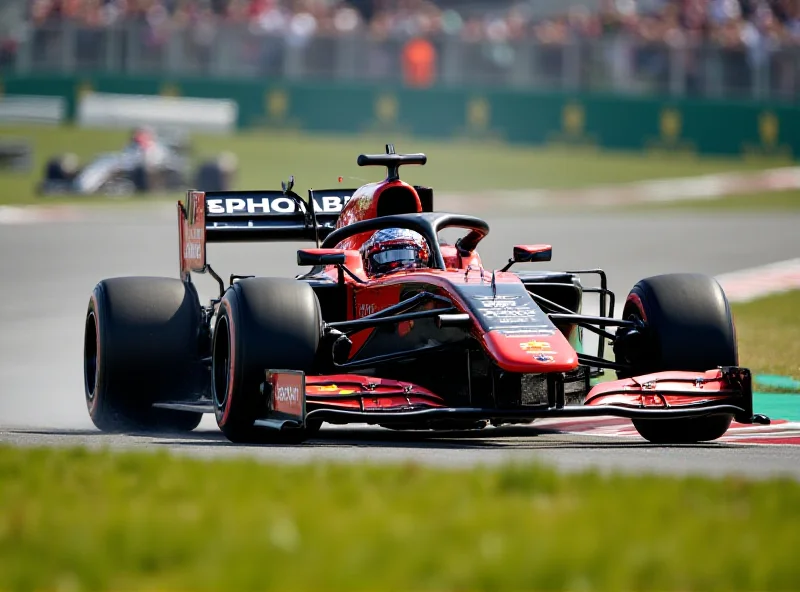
(532,354)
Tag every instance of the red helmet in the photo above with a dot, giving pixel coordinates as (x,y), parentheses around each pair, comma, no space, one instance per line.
(143,136)
(394,249)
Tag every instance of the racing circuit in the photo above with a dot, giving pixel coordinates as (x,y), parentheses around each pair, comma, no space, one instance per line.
(50,268)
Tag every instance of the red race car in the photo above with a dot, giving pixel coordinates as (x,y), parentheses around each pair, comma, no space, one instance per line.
(393,326)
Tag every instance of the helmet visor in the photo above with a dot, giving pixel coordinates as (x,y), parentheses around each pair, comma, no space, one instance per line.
(403,255)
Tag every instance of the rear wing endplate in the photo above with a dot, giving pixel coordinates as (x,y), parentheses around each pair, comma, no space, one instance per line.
(252,216)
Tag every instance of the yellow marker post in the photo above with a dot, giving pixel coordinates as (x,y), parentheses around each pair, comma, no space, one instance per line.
(479,113)
(386,109)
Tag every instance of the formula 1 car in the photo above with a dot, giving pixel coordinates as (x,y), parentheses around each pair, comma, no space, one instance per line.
(149,162)
(449,345)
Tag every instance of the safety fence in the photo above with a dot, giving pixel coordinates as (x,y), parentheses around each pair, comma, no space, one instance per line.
(725,127)
(615,62)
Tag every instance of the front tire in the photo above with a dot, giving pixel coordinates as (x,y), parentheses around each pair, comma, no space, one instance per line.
(263,324)
(141,346)
(689,326)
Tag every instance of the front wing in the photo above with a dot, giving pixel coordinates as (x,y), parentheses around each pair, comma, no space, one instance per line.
(292,400)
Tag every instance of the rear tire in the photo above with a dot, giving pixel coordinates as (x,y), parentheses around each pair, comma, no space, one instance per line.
(141,346)
(53,171)
(210,177)
(689,327)
(263,323)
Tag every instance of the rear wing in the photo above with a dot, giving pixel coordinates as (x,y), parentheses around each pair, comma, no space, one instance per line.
(247,216)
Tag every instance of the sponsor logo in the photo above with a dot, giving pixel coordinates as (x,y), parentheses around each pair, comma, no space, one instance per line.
(498,298)
(328,204)
(192,251)
(252,205)
(544,359)
(194,232)
(509,311)
(366,309)
(506,312)
(331,204)
(528,332)
(516,320)
(287,394)
(505,309)
(495,304)
(535,346)
(332,388)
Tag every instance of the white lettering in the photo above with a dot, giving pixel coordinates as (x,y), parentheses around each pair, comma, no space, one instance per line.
(499,304)
(516,320)
(498,297)
(288,394)
(331,203)
(366,309)
(505,312)
(215,206)
(192,251)
(252,204)
(234,205)
(194,234)
(283,205)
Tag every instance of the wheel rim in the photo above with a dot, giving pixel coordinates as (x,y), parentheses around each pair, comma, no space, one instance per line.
(220,363)
(90,356)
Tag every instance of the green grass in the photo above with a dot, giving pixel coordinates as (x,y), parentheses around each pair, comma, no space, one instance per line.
(267,157)
(768,330)
(78,520)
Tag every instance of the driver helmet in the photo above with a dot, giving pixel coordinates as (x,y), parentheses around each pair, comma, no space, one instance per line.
(394,249)
(143,137)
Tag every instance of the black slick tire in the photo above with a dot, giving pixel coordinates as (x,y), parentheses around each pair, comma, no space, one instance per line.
(262,323)
(53,171)
(141,346)
(689,327)
(210,177)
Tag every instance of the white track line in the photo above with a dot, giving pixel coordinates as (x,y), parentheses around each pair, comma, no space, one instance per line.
(758,282)
(37,214)
(703,187)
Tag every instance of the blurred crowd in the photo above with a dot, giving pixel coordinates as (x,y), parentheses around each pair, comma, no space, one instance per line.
(728,23)
(623,41)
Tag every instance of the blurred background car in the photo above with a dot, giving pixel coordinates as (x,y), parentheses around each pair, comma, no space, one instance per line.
(148,162)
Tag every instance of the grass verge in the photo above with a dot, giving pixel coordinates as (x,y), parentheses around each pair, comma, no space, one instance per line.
(768,330)
(317,160)
(79,520)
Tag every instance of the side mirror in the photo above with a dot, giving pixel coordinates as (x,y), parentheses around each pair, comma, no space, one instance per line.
(311,257)
(532,253)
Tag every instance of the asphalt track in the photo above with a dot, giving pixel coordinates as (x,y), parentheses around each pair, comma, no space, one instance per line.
(48,271)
